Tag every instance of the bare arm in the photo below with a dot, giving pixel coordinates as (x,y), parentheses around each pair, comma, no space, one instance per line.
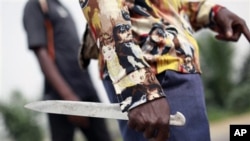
(60,85)
(53,76)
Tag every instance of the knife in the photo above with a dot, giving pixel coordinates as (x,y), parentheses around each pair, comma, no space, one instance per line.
(91,109)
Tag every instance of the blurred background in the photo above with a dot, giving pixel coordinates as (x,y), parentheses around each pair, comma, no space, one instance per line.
(226,80)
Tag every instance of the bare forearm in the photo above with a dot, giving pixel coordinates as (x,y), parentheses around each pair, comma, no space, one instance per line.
(53,76)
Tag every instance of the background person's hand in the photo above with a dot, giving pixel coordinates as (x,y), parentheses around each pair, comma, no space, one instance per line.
(79,121)
(152,119)
(229,26)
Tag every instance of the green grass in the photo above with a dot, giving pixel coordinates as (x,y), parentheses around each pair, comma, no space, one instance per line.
(215,114)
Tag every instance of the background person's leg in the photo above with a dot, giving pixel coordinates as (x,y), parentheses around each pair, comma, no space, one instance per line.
(98,129)
(60,128)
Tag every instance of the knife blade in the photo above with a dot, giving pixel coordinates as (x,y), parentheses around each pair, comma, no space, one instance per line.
(90,109)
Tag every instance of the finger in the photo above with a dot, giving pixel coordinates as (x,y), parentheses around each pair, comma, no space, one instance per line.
(227,30)
(141,126)
(246,32)
(237,30)
(234,37)
(131,124)
(163,134)
(221,37)
(220,34)
(240,27)
(149,132)
(229,33)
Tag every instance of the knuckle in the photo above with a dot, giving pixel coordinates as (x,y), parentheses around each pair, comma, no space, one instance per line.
(242,22)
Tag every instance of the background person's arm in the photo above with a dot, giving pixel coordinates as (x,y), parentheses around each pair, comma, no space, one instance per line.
(53,76)
(33,20)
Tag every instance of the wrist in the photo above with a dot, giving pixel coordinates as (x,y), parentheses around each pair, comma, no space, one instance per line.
(137,88)
(214,12)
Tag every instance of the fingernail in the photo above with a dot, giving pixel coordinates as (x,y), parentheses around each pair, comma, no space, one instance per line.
(229,33)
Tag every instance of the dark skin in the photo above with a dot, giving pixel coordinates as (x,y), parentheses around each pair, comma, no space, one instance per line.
(152,118)
(229,26)
(60,85)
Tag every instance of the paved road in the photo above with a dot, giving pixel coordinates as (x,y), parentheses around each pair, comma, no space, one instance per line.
(220,129)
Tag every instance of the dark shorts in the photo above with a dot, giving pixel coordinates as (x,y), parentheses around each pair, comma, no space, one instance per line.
(184,94)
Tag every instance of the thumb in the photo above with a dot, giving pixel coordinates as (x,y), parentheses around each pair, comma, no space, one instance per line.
(229,32)
(225,35)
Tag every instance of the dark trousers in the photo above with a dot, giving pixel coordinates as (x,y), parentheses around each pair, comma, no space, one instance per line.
(62,130)
(185,94)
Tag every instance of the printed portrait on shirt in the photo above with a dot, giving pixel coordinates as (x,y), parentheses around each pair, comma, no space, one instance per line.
(115,70)
(121,58)
(130,55)
(163,40)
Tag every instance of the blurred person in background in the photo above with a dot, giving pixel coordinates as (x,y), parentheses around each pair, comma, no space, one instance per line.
(56,51)
(162,32)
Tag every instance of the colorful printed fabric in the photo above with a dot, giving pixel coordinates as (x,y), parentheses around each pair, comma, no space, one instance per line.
(139,39)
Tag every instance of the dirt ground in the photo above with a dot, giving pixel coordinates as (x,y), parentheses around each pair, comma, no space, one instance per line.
(220,129)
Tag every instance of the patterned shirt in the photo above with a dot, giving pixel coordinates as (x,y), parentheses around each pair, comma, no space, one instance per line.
(146,38)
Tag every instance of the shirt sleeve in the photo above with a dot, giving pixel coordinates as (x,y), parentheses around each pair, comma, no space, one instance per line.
(33,21)
(199,12)
(133,80)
